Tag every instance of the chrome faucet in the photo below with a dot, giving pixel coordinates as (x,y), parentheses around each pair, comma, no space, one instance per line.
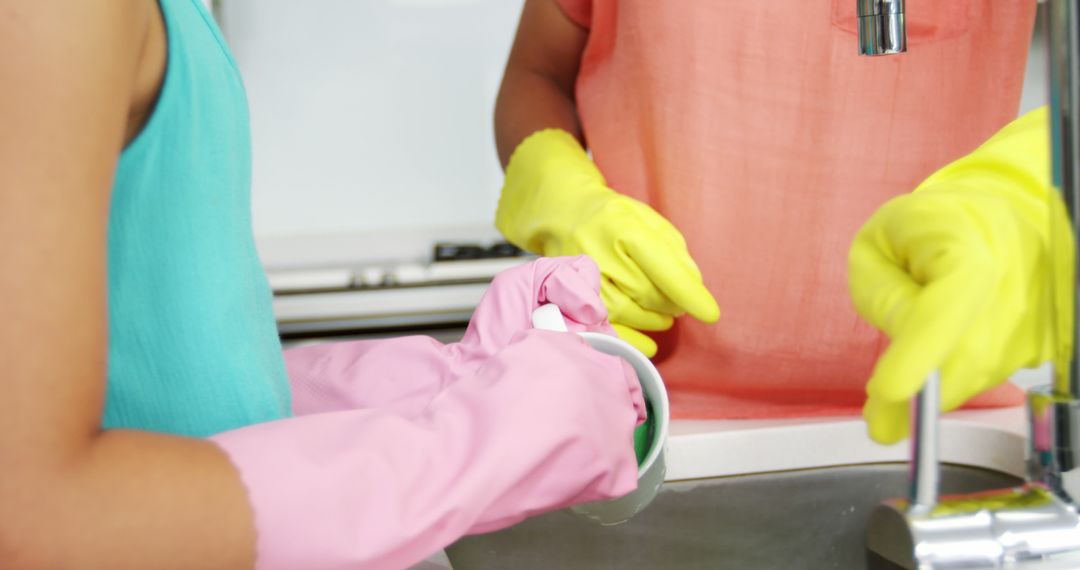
(1036,525)
(881,27)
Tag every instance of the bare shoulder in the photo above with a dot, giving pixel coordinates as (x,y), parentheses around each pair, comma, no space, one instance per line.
(77,28)
(108,52)
(126,19)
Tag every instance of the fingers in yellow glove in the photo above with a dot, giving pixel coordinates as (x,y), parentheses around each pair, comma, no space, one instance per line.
(675,275)
(638,340)
(623,310)
(628,318)
(887,422)
(964,376)
(645,256)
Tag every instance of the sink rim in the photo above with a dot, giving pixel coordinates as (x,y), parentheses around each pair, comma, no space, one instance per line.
(992,439)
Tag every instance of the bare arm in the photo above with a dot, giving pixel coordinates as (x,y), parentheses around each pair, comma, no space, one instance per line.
(538,87)
(72,495)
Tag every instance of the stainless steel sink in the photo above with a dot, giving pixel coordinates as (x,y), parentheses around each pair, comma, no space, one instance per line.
(813,519)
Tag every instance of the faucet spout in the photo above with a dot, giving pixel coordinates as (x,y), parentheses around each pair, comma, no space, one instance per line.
(881,27)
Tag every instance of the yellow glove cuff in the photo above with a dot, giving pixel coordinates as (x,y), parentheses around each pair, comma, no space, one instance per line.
(550,183)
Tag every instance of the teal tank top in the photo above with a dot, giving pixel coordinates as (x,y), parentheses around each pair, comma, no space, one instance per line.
(193,348)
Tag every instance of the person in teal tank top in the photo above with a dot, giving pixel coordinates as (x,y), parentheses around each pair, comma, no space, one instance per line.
(192,344)
(151,418)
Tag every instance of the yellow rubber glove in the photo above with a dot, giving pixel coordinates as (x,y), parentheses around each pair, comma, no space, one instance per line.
(555,202)
(958,275)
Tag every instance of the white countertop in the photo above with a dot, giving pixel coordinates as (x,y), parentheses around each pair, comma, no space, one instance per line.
(991,439)
(994,439)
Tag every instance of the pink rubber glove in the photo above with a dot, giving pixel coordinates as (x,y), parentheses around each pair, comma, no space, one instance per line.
(403,374)
(544,423)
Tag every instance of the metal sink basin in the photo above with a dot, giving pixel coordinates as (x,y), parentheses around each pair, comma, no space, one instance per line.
(813,519)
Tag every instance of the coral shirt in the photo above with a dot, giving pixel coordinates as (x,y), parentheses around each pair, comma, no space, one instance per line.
(758,130)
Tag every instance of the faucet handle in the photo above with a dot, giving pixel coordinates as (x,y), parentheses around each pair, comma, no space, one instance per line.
(924,472)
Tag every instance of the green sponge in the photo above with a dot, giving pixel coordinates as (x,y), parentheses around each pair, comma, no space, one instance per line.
(643,434)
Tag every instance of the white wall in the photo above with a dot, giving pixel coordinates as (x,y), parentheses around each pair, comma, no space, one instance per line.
(371,114)
(1036,80)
